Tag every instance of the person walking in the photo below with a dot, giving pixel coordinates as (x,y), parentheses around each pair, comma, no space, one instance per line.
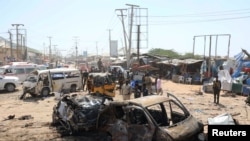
(126,90)
(158,86)
(85,76)
(90,83)
(217,89)
(148,83)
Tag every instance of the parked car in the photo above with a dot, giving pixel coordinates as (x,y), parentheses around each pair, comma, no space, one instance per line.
(18,69)
(9,83)
(150,118)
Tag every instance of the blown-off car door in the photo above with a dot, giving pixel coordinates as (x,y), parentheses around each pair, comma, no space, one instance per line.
(177,109)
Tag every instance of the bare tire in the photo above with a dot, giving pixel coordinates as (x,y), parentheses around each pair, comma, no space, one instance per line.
(10,87)
(45,92)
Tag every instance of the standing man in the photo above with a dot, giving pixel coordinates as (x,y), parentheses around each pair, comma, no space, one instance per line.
(126,91)
(85,78)
(100,65)
(90,83)
(121,80)
(216,88)
(148,83)
(158,86)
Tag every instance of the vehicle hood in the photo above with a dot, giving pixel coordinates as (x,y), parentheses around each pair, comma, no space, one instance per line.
(184,130)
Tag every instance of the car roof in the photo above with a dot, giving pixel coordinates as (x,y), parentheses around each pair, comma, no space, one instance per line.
(150,100)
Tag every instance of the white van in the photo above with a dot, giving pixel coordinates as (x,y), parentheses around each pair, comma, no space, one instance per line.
(18,69)
(44,82)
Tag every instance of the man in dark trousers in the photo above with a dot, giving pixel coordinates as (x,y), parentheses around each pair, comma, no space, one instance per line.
(100,65)
(137,92)
(85,76)
(216,88)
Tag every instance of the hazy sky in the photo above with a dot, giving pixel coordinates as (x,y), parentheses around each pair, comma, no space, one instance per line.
(171,24)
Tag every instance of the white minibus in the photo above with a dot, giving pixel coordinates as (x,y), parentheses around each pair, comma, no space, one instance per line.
(44,82)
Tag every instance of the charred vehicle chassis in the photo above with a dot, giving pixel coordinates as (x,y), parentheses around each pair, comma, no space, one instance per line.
(150,118)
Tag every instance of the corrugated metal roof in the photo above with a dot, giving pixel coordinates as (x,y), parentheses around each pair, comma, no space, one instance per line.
(177,62)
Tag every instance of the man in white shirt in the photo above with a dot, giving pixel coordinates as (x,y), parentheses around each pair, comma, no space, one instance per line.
(158,86)
(126,90)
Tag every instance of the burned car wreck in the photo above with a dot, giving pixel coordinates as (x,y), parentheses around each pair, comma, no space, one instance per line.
(76,112)
(151,118)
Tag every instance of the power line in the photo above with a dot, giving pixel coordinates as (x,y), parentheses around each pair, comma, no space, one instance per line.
(197,21)
(213,13)
(201,15)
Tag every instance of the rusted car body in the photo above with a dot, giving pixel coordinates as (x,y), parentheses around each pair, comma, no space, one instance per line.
(150,118)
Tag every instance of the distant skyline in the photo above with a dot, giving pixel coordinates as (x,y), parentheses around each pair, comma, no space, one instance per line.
(171,24)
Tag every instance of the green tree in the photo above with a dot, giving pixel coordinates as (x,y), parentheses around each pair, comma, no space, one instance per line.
(172,54)
(158,51)
(190,55)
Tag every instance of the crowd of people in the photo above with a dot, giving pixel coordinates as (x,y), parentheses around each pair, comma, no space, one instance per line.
(127,86)
(143,89)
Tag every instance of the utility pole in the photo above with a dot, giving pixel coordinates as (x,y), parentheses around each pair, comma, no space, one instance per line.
(55,55)
(49,48)
(96,48)
(138,43)
(24,44)
(193,45)
(229,38)
(216,42)
(109,42)
(44,51)
(124,33)
(76,48)
(11,49)
(130,32)
(25,49)
(17,46)
(21,45)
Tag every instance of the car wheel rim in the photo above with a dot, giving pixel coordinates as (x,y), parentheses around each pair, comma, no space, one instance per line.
(10,88)
(45,92)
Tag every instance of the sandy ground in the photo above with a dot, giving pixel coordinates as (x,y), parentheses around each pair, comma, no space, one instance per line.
(39,111)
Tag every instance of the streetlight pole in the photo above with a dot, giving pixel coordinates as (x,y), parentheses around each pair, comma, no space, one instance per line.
(17,47)
(76,48)
(11,51)
(49,49)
